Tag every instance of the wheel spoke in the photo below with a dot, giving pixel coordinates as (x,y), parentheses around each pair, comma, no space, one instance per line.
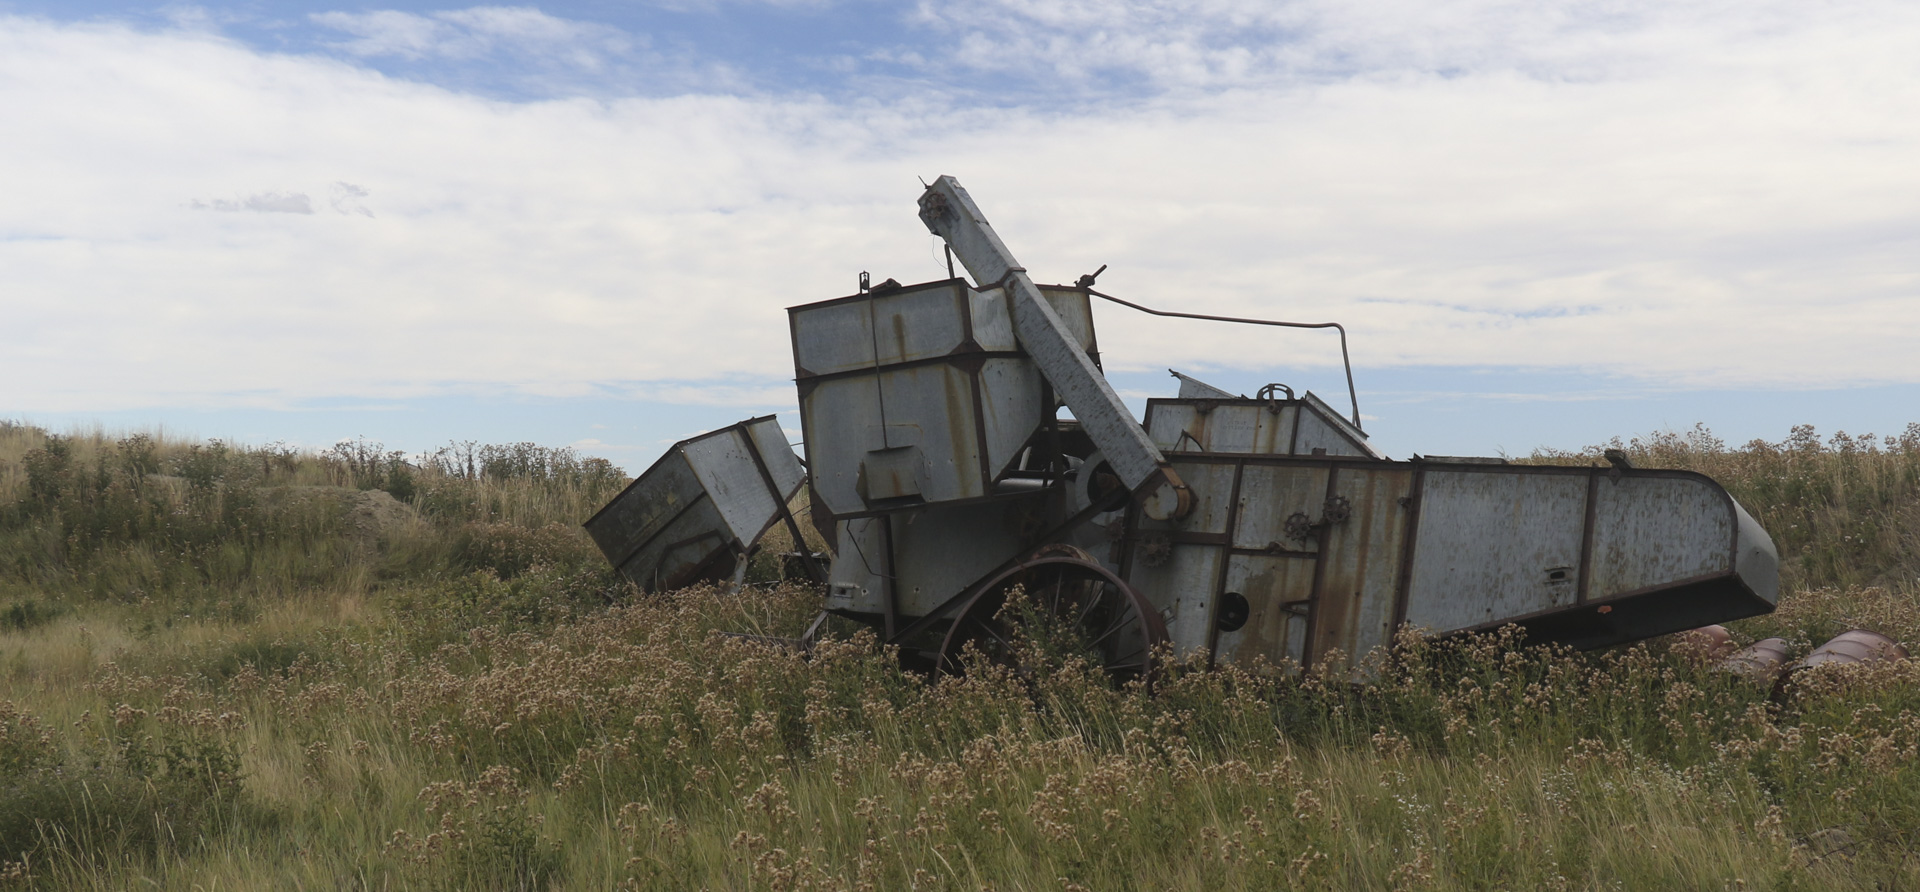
(1074,604)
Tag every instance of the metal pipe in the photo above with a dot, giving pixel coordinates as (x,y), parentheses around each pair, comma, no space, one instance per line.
(1761,661)
(1345,362)
(1854,646)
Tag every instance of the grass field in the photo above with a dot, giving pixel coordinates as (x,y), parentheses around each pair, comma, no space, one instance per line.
(227,667)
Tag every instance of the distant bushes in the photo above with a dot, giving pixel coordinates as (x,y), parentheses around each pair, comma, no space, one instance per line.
(138,518)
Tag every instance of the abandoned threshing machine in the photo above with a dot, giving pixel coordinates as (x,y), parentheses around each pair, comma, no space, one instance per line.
(941,476)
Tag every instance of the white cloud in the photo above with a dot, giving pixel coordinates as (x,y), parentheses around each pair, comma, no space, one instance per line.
(346,198)
(261,202)
(473,33)
(1706,202)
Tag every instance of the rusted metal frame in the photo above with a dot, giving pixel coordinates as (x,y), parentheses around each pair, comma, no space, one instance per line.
(879,379)
(869,295)
(972,360)
(1344,360)
(1733,545)
(943,359)
(1129,528)
(915,506)
(1316,597)
(1240,551)
(635,551)
(932,616)
(1549,470)
(1623,596)
(1226,565)
(1050,429)
(814,571)
(1403,582)
(1585,571)
(1153,627)
(891,577)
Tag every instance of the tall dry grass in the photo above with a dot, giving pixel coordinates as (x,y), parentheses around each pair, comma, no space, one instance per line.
(480,717)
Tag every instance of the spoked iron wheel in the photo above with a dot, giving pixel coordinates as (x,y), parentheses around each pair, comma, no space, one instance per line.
(1071,604)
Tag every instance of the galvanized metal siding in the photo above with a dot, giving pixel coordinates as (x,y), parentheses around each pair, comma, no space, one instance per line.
(1361,561)
(1277,589)
(1494,545)
(732,479)
(1649,531)
(645,507)
(930,410)
(1165,423)
(1183,586)
(930,407)
(858,579)
(1010,401)
(1182,590)
(1075,309)
(782,464)
(669,558)
(841,418)
(922,322)
(1237,427)
(833,337)
(1269,494)
(940,550)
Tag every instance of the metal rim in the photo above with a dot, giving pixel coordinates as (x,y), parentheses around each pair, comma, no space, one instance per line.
(1109,619)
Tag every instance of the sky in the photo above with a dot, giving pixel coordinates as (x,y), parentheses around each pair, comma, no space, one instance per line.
(1543,223)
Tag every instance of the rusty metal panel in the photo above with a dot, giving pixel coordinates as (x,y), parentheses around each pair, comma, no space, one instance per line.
(857,582)
(730,468)
(919,322)
(841,418)
(702,505)
(838,338)
(937,405)
(1354,608)
(1181,587)
(1176,563)
(1272,493)
(1498,545)
(1075,309)
(1192,388)
(1212,485)
(1647,531)
(940,550)
(1278,590)
(1323,428)
(931,425)
(1208,425)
